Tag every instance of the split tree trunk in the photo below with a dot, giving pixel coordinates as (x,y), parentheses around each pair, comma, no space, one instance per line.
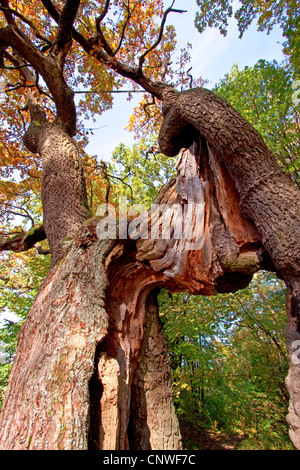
(91,369)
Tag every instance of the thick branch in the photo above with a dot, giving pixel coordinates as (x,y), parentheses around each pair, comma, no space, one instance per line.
(7,12)
(23,241)
(63,39)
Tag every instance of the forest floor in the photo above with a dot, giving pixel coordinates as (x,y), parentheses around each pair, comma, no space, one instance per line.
(201,439)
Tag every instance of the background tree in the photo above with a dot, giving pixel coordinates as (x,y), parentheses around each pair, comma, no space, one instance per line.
(267,14)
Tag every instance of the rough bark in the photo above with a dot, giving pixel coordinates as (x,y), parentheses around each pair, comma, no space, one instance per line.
(23,241)
(63,191)
(249,220)
(91,367)
(267,195)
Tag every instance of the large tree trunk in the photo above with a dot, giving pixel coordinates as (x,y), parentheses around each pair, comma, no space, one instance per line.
(75,369)
(91,369)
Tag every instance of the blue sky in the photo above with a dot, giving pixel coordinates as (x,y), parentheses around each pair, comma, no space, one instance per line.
(213,56)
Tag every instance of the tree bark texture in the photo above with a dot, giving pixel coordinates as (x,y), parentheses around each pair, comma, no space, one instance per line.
(91,368)
(63,191)
(153,423)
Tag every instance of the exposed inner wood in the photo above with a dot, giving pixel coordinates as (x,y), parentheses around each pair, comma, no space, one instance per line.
(219,252)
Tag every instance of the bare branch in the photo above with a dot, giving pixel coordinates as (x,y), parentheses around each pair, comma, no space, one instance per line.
(161,32)
(124,182)
(100,36)
(147,105)
(99,92)
(19,63)
(63,38)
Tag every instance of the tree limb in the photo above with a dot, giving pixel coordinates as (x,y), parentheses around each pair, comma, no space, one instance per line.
(14,210)
(129,15)
(100,36)
(23,241)
(161,32)
(102,15)
(49,69)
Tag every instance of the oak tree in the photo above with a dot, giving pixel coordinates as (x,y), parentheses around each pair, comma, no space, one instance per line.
(91,368)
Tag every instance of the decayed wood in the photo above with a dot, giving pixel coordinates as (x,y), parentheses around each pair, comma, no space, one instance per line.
(226,253)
